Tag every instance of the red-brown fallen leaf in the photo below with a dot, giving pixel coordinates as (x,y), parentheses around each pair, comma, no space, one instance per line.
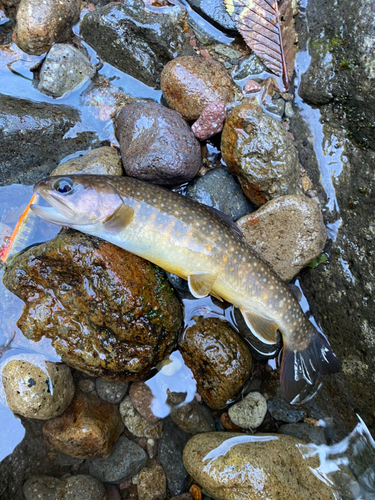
(211,120)
(259,24)
(288,9)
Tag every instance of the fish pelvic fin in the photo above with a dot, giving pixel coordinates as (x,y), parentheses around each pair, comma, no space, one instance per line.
(121,217)
(264,329)
(301,370)
(200,284)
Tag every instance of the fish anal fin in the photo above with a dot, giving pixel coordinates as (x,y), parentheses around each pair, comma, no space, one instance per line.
(264,329)
(216,296)
(121,217)
(200,284)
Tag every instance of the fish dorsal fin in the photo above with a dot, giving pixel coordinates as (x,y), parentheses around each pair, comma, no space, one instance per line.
(227,220)
(200,284)
(121,217)
(264,329)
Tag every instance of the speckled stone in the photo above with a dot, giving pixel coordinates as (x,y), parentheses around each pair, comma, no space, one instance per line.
(50,22)
(82,487)
(231,466)
(190,83)
(152,484)
(250,412)
(112,392)
(138,425)
(99,161)
(126,460)
(141,397)
(193,418)
(35,388)
(280,409)
(89,428)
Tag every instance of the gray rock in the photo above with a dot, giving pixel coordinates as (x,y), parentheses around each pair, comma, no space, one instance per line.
(34,137)
(288,232)
(137,424)
(112,392)
(215,12)
(126,460)
(260,151)
(51,488)
(227,51)
(64,68)
(66,460)
(218,189)
(305,432)
(137,40)
(276,107)
(280,409)
(171,446)
(249,67)
(250,412)
(193,418)
(164,152)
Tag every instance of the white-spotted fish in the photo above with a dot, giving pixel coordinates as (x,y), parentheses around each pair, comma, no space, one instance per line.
(195,243)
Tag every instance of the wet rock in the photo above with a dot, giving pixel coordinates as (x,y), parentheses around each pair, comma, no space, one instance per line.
(136,40)
(271,469)
(219,359)
(67,461)
(34,138)
(250,412)
(99,161)
(34,387)
(95,284)
(112,392)
(156,144)
(193,418)
(183,496)
(219,190)
(260,151)
(249,67)
(83,487)
(305,432)
(138,425)
(152,483)
(189,84)
(51,21)
(86,385)
(211,121)
(280,409)
(215,12)
(342,55)
(141,397)
(89,428)
(287,232)
(126,460)
(10,7)
(64,68)
(251,87)
(171,446)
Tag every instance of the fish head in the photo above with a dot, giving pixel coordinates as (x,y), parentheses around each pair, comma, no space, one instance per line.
(76,200)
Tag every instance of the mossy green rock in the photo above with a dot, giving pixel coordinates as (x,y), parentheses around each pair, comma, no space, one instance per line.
(109,313)
(231,466)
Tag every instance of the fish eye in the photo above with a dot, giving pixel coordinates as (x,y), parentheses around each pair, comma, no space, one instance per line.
(63,186)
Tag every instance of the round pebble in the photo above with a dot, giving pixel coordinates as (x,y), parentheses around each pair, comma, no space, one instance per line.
(250,412)
(112,392)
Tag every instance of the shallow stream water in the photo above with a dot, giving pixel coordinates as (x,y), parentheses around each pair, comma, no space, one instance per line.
(358,450)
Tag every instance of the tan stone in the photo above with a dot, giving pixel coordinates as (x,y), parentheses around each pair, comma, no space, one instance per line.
(100,161)
(152,484)
(231,466)
(288,232)
(89,428)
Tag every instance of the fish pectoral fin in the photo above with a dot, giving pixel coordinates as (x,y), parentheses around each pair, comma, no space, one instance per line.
(200,284)
(264,329)
(121,217)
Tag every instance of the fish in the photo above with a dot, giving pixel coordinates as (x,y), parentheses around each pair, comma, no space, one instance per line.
(204,247)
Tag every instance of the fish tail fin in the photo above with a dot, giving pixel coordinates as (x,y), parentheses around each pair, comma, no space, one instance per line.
(301,370)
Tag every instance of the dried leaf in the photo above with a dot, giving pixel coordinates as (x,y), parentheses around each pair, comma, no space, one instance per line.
(259,24)
(288,9)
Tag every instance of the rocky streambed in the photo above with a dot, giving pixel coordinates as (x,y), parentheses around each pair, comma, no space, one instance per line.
(126,386)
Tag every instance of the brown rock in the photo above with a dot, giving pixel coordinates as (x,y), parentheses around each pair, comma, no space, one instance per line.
(100,161)
(211,121)
(193,418)
(141,397)
(257,148)
(156,144)
(190,83)
(219,359)
(82,487)
(40,24)
(243,468)
(152,484)
(108,312)
(287,232)
(89,428)
(138,425)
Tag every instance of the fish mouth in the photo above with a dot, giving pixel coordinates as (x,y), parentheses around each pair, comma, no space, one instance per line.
(58,212)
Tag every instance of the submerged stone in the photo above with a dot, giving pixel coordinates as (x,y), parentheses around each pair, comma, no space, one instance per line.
(109,313)
(99,161)
(80,486)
